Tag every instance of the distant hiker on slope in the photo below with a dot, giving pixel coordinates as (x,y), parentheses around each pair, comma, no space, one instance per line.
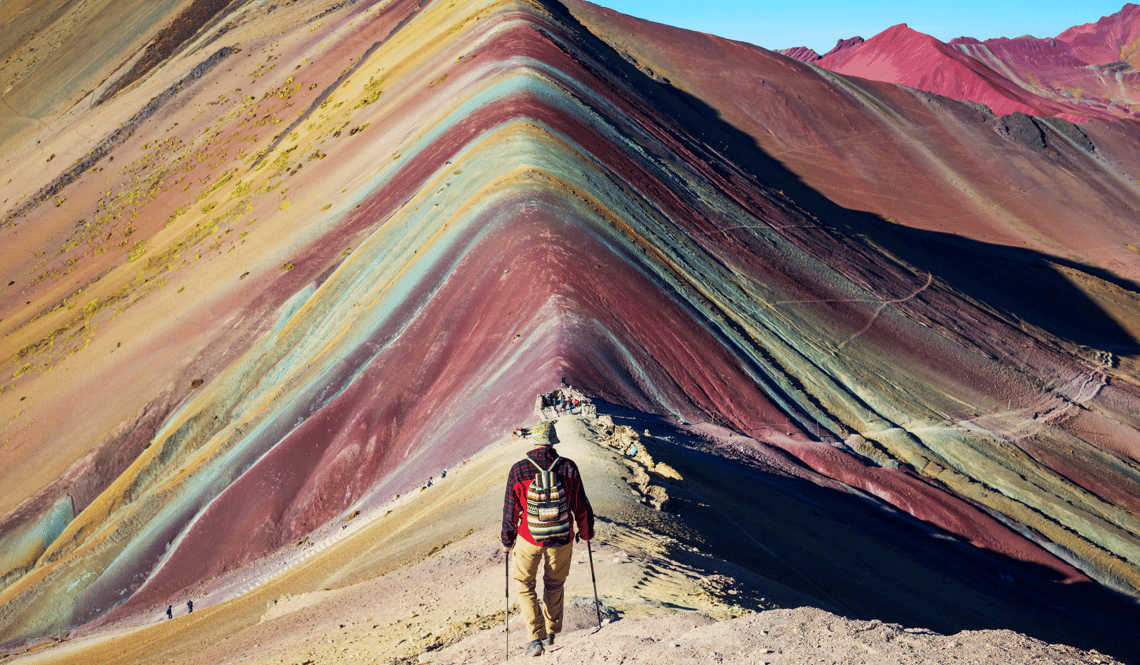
(547,490)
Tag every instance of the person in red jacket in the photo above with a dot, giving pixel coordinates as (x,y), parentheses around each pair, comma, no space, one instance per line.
(544,503)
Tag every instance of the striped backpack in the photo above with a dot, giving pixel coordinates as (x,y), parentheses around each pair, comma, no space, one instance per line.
(547,507)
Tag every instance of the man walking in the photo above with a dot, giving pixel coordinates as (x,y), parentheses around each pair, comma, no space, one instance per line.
(544,503)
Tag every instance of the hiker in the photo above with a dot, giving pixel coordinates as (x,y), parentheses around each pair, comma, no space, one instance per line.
(169,611)
(544,503)
(189,606)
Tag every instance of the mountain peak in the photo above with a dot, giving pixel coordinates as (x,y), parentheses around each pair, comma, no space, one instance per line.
(1054,76)
(800,53)
(843,44)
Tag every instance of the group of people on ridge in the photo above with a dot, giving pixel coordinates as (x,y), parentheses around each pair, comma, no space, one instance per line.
(559,401)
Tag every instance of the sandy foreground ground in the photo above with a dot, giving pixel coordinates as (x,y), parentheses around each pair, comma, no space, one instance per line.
(421,580)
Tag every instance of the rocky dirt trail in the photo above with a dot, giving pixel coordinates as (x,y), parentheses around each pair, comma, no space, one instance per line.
(777,637)
(422,581)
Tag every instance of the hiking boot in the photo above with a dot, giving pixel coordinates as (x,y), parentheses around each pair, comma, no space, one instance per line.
(534,648)
(549,641)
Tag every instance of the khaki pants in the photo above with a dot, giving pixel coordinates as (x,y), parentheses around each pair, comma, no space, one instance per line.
(556,568)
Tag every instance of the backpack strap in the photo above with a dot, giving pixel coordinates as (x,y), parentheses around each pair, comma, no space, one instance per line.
(539,467)
(545,474)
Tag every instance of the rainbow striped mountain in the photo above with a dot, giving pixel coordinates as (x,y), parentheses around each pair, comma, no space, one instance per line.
(268,263)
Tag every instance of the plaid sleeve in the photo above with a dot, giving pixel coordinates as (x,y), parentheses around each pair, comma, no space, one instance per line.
(511,510)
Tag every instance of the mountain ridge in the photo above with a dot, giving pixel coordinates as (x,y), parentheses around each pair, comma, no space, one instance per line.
(1059,76)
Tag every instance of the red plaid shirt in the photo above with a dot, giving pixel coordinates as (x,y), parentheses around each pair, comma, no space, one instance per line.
(514,502)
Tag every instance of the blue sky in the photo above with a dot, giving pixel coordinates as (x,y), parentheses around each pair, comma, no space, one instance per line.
(819,24)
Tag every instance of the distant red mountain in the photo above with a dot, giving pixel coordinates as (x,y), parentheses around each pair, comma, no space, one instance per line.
(1088,71)
(800,53)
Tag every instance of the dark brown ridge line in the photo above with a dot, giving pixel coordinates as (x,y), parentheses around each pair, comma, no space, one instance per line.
(168,40)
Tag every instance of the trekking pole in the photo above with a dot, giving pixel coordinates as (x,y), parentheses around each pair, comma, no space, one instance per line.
(597,605)
(507,614)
